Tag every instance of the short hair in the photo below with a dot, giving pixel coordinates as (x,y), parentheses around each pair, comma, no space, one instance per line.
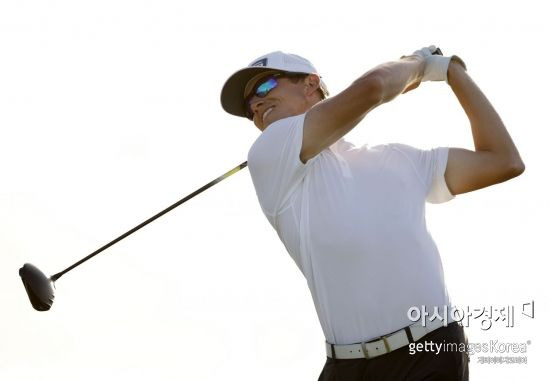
(297,77)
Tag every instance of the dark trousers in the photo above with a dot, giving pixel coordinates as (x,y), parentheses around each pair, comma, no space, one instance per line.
(449,365)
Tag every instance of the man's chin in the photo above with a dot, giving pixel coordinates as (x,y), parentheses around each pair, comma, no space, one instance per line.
(270,120)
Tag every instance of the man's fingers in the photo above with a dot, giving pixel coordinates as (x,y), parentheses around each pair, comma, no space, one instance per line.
(412,86)
(427,51)
(436,64)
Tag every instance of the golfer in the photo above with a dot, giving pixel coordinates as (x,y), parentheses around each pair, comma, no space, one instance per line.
(352,218)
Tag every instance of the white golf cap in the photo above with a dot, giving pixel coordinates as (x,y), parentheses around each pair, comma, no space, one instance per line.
(233,91)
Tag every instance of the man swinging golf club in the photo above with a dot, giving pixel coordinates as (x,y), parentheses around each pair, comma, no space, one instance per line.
(352,218)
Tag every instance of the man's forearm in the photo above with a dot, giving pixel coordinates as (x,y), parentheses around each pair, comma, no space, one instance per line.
(378,85)
(488,130)
(395,77)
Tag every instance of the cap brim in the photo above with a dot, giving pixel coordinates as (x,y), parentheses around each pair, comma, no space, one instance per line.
(232,97)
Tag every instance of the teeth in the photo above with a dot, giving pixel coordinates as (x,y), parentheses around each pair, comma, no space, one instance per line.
(266,112)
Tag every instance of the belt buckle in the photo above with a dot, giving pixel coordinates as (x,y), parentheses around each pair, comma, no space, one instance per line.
(386,346)
(365,352)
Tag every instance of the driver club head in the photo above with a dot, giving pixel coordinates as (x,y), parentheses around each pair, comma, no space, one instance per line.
(39,287)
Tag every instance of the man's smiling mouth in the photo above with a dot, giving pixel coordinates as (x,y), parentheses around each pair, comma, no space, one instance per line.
(266,112)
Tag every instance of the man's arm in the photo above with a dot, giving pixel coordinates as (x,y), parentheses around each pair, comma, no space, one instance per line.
(329,120)
(495,158)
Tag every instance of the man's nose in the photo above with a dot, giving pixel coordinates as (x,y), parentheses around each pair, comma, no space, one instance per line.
(255,104)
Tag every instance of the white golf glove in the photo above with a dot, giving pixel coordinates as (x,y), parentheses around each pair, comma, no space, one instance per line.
(436,64)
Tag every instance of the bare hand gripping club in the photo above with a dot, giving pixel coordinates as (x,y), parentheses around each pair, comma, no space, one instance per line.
(40,288)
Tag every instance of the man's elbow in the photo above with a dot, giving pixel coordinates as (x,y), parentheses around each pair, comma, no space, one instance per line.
(515,168)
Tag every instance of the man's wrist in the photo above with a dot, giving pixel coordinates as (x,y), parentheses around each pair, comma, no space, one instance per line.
(456,60)
(456,68)
(420,67)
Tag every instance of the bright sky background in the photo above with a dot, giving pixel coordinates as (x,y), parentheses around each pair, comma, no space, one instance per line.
(109,112)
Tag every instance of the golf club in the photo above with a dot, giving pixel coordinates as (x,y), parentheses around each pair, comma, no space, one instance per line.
(40,288)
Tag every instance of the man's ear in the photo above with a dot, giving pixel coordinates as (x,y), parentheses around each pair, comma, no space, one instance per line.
(313,83)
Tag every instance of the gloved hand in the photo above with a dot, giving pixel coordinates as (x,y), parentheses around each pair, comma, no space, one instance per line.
(436,64)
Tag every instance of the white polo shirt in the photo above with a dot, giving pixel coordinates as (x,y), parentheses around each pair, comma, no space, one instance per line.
(352,218)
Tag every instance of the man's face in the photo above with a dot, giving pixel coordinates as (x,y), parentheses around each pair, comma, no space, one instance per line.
(284,100)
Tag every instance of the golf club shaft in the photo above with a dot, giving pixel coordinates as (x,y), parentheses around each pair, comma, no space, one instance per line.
(133,230)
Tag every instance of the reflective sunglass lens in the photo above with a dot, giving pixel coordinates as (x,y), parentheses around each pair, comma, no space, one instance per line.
(266,87)
(261,91)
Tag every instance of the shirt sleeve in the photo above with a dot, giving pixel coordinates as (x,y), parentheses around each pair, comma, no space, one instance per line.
(275,165)
(430,167)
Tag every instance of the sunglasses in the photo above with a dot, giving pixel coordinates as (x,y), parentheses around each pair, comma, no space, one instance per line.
(261,89)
